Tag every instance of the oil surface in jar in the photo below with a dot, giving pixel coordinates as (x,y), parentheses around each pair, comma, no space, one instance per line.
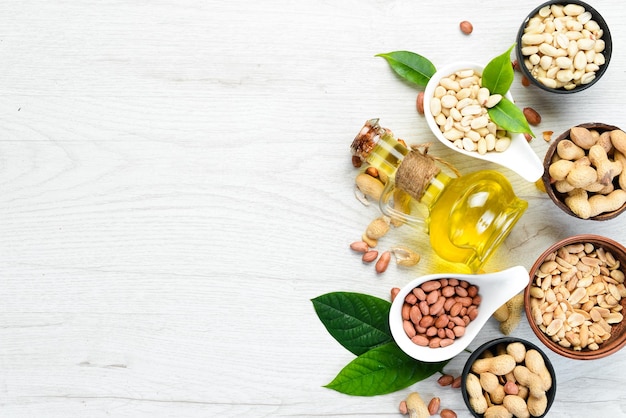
(473,214)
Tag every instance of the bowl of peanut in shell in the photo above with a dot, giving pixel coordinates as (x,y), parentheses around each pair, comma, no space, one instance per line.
(576,297)
(507,377)
(564,46)
(585,171)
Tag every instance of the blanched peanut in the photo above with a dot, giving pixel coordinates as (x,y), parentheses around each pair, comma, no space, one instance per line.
(460,109)
(555,45)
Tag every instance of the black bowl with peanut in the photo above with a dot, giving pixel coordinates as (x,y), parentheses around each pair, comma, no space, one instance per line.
(508,377)
(563,46)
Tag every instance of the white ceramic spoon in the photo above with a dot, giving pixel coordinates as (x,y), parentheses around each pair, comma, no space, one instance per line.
(494,288)
(519,157)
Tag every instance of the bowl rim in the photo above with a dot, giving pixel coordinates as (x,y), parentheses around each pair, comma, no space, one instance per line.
(606,36)
(550,393)
(611,347)
(556,196)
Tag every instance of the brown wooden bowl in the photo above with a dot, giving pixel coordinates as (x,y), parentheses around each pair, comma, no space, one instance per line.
(559,198)
(617,338)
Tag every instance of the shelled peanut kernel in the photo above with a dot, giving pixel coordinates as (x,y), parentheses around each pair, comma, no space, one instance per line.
(563,46)
(460,108)
(576,296)
(436,312)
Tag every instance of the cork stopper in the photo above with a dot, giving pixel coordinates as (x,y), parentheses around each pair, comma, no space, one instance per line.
(415,172)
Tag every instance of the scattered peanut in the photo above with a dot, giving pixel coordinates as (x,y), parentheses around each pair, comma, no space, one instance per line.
(445,380)
(466,27)
(416,406)
(514,306)
(502,313)
(532,116)
(359,246)
(404,410)
(371,242)
(369,256)
(563,46)
(433,405)
(459,107)
(439,311)
(587,170)
(576,297)
(419,103)
(515,386)
(371,187)
(383,262)
(547,135)
(378,228)
(447,413)
(405,256)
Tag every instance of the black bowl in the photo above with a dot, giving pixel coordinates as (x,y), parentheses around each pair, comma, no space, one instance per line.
(492,346)
(606,37)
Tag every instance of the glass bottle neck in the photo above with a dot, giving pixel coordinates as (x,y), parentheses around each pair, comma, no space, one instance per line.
(387,155)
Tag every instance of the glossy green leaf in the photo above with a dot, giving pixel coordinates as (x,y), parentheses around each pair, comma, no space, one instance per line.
(357,321)
(509,117)
(498,74)
(410,66)
(382,370)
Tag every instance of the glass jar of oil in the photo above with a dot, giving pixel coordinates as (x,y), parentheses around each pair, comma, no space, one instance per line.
(466,217)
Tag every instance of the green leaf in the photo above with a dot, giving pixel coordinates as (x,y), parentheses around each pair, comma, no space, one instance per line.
(498,74)
(509,117)
(382,370)
(357,321)
(410,66)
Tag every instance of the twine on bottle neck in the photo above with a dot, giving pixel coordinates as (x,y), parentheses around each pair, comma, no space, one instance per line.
(417,169)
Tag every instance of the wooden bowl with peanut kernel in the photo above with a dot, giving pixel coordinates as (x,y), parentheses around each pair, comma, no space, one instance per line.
(585,171)
(576,297)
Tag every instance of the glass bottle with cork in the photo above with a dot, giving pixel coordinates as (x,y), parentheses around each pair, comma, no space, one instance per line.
(466,217)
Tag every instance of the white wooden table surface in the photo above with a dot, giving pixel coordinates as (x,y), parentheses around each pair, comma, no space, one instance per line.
(176,185)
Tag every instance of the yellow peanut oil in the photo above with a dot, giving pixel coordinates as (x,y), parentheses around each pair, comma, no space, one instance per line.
(471,216)
(466,217)
(387,154)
